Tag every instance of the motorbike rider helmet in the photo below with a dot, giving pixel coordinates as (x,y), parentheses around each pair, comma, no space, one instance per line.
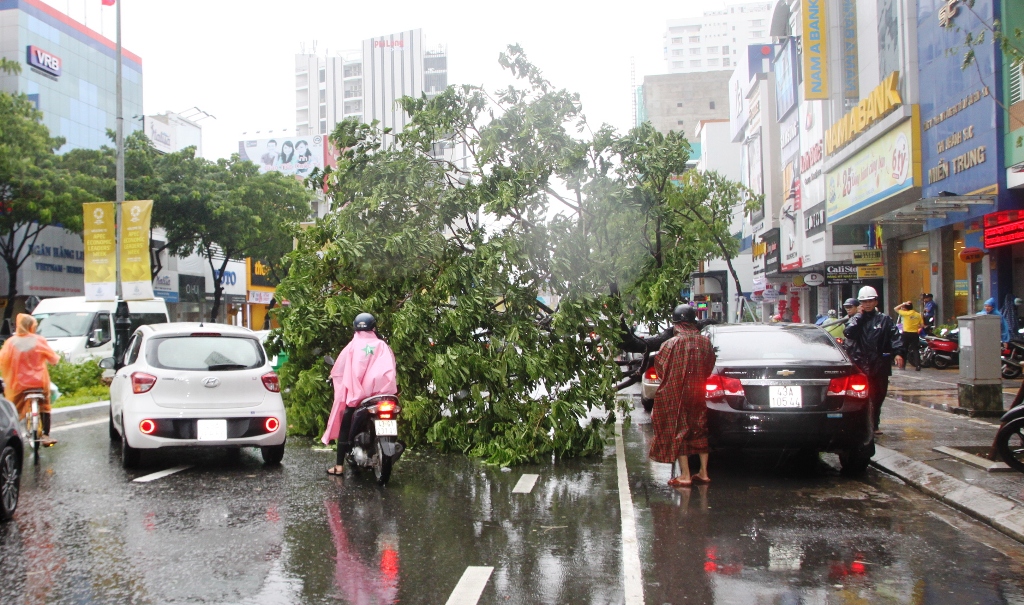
(851,302)
(684,314)
(364,322)
(867,293)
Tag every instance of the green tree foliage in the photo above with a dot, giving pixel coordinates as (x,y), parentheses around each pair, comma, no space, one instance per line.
(35,191)
(451,230)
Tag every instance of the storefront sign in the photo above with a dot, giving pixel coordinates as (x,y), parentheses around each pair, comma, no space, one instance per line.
(790,240)
(165,286)
(44,61)
(259,297)
(136,277)
(191,288)
(959,114)
(884,168)
(878,104)
(814,220)
(100,251)
(867,257)
(960,287)
(815,49)
(771,251)
(840,273)
(814,279)
(851,77)
(871,272)
(258,272)
(1004,228)
(971,255)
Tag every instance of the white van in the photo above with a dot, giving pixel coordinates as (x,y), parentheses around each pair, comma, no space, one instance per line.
(81,330)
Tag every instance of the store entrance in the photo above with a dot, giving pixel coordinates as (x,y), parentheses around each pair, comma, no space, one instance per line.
(915,276)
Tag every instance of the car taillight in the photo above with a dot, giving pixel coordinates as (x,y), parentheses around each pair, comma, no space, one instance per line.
(271,424)
(855,385)
(717,386)
(142,382)
(651,374)
(148,427)
(271,382)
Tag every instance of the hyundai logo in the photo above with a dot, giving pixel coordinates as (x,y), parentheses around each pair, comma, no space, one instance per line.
(211,382)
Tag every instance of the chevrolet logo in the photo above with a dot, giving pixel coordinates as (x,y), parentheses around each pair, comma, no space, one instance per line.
(785,372)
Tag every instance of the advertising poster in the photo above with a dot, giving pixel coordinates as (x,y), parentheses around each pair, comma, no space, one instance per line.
(136,278)
(888,37)
(785,80)
(815,49)
(755,178)
(295,156)
(884,168)
(161,135)
(100,251)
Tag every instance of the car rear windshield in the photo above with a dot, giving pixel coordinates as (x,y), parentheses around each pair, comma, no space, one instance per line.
(205,353)
(771,344)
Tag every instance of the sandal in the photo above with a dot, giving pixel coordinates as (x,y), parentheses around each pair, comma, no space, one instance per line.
(699,479)
(336,470)
(679,482)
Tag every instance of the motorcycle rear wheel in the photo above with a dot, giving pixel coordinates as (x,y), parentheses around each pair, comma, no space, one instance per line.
(1010,444)
(1010,371)
(942,362)
(382,466)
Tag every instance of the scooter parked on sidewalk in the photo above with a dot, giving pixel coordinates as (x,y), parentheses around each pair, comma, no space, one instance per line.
(943,351)
(375,426)
(1013,357)
(1010,438)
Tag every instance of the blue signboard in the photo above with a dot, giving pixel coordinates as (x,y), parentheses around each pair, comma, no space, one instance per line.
(960,121)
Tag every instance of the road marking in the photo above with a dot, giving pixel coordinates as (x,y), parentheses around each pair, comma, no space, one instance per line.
(525,485)
(470,586)
(631,572)
(77,425)
(161,474)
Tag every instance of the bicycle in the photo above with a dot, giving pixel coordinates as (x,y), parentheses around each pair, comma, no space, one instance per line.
(33,422)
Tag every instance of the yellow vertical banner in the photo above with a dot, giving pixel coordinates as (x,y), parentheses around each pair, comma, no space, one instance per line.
(815,49)
(100,251)
(136,279)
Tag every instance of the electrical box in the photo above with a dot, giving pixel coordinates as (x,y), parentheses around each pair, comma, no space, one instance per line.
(980,351)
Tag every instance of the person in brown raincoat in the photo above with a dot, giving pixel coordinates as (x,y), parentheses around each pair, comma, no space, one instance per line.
(680,417)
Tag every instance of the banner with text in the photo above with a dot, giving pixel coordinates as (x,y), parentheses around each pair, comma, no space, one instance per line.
(100,251)
(136,279)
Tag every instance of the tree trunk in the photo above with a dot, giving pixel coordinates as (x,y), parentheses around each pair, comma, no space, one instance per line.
(12,288)
(218,283)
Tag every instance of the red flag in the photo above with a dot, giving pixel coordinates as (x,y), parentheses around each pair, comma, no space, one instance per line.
(108,2)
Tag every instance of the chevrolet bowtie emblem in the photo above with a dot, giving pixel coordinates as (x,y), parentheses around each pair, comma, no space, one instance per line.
(785,372)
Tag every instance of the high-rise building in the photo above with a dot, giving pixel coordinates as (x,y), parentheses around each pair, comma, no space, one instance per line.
(366,84)
(715,40)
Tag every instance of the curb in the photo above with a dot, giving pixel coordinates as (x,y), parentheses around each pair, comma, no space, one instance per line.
(79,413)
(1001,513)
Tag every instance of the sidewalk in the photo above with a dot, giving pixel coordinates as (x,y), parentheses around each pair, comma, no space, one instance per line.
(921,414)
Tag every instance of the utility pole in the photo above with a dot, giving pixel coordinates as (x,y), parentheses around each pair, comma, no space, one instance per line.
(122,319)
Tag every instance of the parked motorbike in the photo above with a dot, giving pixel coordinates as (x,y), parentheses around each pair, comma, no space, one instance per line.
(943,351)
(375,426)
(1010,438)
(1013,357)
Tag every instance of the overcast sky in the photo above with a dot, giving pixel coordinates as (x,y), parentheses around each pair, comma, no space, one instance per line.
(235,58)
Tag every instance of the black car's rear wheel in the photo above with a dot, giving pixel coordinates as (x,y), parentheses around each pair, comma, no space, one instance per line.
(1010,444)
(10,482)
(855,461)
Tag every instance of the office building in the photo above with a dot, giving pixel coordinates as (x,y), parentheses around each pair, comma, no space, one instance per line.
(714,40)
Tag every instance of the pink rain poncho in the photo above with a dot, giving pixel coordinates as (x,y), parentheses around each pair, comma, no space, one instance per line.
(366,367)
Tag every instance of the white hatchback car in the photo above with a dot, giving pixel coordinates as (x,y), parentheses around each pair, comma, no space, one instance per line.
(196,385)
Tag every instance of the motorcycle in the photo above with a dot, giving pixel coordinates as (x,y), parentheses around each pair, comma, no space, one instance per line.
(1013,357)
(943,351)
(375,426)
(1010,438)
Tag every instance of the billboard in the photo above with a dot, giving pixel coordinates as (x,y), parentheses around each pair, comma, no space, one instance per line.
(785,80)
(161,135)
(295,156)
(815,49)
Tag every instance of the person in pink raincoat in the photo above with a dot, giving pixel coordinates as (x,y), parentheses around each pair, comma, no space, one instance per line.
(365,368)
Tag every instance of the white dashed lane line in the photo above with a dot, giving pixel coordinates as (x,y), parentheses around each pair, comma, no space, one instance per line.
(525,484)
(161,474)
(470,586)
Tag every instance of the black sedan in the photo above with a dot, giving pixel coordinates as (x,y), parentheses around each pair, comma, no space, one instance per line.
(11,455)
(787,387)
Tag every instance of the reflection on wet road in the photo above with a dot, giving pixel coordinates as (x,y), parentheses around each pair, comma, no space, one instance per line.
(229,531)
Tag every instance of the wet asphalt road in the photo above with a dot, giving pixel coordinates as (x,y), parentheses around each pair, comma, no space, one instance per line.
(229,530)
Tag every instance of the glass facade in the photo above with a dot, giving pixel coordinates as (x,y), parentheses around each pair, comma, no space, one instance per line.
(69,71)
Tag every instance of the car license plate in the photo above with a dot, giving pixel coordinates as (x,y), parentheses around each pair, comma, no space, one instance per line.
(386,428)
(212,430)
(784,397)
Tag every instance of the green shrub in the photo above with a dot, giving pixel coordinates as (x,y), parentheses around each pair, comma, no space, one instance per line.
(83,395)
(70,377)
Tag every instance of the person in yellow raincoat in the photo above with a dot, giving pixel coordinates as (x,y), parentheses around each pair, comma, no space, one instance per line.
(23,360)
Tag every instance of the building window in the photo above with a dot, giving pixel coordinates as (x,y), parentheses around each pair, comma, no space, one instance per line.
(712,62)
(323,75)
(1016,75)
(757,34)
(352,71)
(323,111)
(679,104)
(694,51)
(679,122)
(757,23)
(725,62)
(712,50)
(679,64)
(725,50)
(677,40)
(323,126)
(679,52)
(695,63)
(323,95)
(711,105)
(694,38)
(302,80)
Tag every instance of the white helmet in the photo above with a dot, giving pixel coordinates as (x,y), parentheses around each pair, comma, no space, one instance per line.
(867,293)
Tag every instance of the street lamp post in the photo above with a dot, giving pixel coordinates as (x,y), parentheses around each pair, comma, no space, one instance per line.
(122,319)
